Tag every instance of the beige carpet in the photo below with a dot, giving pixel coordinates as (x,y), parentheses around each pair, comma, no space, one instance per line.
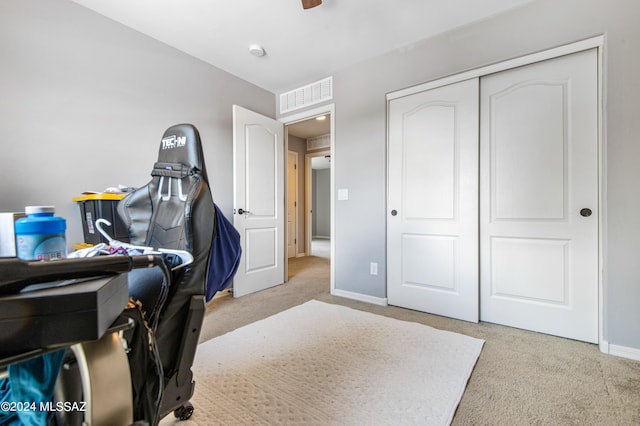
(521,378)
(320,363)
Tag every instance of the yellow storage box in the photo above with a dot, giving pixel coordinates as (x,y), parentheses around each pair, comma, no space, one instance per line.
(103,205)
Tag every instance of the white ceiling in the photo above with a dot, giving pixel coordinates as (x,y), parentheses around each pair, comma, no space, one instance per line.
(309,128)
(302,46)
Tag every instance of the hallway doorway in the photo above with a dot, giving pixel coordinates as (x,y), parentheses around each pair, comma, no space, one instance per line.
(310,139)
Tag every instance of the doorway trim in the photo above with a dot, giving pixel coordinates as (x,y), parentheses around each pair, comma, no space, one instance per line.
(597,42)
(590,43)
(306,115)
(296,201)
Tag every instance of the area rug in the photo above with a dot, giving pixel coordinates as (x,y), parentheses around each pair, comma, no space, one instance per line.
(325,364)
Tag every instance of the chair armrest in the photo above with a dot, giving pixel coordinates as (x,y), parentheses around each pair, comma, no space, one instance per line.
(17,273)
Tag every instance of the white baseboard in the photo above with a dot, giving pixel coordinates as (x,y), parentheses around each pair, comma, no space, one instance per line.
(359,297)
(621,351)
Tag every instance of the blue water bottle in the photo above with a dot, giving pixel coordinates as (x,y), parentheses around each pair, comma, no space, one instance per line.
(41,235)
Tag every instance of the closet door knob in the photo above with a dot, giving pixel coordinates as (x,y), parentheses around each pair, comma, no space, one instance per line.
(585,212)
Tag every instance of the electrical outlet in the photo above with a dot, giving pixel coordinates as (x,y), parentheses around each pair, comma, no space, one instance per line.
(373,268)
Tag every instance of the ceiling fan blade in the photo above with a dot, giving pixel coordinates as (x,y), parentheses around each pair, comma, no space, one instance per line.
(308,4)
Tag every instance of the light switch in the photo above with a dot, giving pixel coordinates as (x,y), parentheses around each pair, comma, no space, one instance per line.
(373,268)
(343,194)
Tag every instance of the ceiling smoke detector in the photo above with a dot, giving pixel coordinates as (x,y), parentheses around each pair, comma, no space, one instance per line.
(256,50)
(308,4)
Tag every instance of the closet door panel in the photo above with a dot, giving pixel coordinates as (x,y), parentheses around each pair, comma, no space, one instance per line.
(432,227)
(539,197)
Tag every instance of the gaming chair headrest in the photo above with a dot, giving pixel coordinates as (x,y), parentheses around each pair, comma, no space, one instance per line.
(181,144)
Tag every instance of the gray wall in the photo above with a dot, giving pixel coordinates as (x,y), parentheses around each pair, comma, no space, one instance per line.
(84,102)
(359,96)
(321,203)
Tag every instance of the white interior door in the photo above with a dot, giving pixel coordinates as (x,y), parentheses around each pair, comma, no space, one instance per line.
(258,158)
(292,204)
(432,226)
(539,197)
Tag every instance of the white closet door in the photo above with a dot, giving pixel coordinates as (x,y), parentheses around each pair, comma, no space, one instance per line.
(432,226)
(539,197)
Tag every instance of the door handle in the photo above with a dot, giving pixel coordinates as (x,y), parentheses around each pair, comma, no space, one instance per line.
(242,211)
(585,212)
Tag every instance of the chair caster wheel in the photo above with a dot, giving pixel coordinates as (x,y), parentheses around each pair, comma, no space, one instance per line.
(184,412)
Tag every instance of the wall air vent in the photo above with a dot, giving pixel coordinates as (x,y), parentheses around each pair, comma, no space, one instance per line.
(307,95)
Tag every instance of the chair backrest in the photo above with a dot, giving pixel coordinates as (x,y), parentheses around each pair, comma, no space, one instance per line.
(175,210)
